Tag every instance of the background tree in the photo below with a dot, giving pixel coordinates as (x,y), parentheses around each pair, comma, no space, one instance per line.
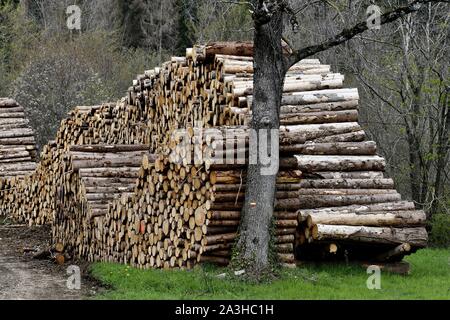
(50,71)
(222,20)
(415,96)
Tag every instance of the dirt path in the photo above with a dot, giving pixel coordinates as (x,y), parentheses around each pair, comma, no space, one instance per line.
(24,278)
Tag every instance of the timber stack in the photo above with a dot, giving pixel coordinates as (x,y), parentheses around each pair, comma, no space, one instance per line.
(33,200)
(332,196)
(120,203)
(17,143)
(321,135)
(18,153)
(98,175)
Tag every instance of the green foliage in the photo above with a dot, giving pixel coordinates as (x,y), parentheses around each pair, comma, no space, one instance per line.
(429,279)
(187,13)
(132,10)
(222,22)
(18,36)
(440,230)
(50,70)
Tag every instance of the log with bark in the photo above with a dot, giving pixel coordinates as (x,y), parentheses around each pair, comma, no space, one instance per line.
(18,154)
(416,237)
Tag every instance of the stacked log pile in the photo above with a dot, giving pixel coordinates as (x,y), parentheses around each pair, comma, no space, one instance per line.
(17,143)
(99,174)
(122,204)
(33,200)
(347,208)
(227,176)
(331,192)
(17,148)
(320,127)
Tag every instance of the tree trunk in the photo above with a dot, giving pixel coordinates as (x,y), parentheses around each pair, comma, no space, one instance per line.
(269,72)
(415,172)
(443,150)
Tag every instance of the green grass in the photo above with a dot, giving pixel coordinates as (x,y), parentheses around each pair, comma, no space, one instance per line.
(429,279)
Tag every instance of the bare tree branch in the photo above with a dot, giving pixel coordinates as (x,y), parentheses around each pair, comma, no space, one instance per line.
(348,34)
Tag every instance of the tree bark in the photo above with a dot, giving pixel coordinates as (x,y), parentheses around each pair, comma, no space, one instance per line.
(270,70)
(443,150)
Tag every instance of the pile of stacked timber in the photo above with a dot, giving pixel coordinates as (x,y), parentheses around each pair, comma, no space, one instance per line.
(99,174)
(182,211)
(17,143)
(122,204)
(215,89)
(18,153)
(320,133)
(111,123)
(33,200)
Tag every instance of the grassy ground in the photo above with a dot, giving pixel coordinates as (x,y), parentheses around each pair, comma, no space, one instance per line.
(429,279)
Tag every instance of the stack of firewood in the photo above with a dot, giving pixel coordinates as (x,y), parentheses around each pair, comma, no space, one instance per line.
(182,210)
(17,149)
(319,129)
(120,203)
(17,144)
(99,174)
(32,199)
